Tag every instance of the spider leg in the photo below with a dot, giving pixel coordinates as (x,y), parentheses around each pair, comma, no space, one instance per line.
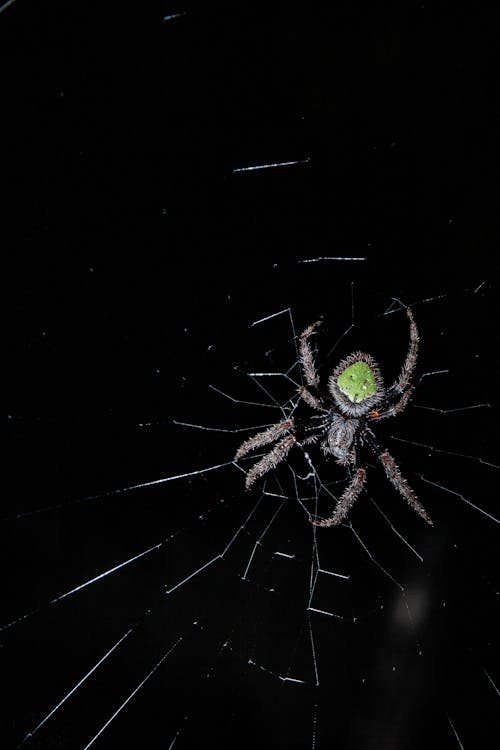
(265,437)
(398,407)
(312,401)
(400,483)
(306,355)
(270,460)
(404,378)
(346,500)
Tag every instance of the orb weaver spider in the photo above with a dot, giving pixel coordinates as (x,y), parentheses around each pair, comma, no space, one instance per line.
(353,399)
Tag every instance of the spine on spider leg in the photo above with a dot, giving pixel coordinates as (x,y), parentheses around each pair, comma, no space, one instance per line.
(265,437)
(270,460)
(346,501)
(399,482)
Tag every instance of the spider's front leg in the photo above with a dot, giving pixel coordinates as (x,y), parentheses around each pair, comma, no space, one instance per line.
(309,368)
(403,381)
(402,388)
(396,408)
(307,356)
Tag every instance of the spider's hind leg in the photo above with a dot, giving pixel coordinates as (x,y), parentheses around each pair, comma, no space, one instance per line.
(346,500)
(400,483)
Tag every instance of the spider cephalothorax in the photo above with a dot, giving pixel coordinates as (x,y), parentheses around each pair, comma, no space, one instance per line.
(355,396)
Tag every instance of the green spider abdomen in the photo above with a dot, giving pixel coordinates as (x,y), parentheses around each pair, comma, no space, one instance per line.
(357,382)
(356,385)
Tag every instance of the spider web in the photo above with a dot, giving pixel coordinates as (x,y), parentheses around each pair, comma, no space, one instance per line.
(191,609)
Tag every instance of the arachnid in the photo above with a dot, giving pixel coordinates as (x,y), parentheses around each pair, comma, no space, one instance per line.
(353,399)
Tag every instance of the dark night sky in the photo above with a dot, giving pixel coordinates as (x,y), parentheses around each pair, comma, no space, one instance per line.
(134,259)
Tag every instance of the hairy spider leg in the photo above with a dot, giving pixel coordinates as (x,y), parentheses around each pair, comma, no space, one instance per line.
(401,387)
(263,438)
(400,483)
(312,401)
(396,478)
(307,356)
(270,460)
(345,501)
(403,381)
(398,407)
(309,368)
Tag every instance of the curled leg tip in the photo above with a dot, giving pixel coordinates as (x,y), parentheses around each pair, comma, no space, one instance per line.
(249,482)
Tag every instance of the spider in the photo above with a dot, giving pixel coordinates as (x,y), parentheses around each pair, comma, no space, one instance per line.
(352,401)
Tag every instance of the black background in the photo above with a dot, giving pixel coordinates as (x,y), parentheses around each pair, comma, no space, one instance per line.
(134,260)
